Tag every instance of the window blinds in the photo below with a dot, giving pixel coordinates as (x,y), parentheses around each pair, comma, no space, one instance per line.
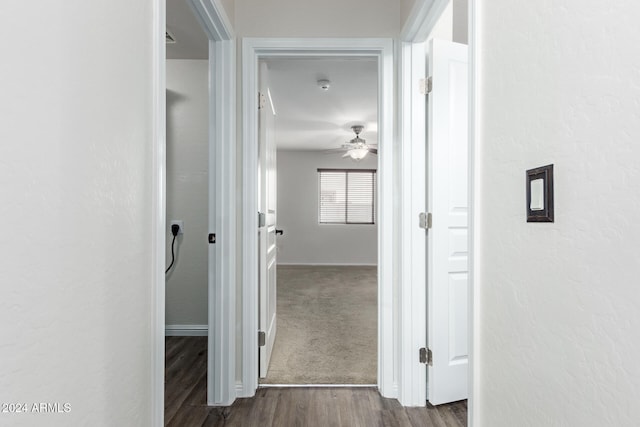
(347,196)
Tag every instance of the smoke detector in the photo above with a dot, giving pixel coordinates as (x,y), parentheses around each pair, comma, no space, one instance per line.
(324,84)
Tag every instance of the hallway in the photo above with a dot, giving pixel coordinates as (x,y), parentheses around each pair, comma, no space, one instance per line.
(185,401)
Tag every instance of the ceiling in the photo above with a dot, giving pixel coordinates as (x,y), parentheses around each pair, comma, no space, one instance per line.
(307,118)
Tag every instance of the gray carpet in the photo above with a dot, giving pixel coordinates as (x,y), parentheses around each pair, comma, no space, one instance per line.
(327,326)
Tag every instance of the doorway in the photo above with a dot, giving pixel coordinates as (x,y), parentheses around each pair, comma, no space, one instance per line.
(392,381)
(323,217)
(380,50)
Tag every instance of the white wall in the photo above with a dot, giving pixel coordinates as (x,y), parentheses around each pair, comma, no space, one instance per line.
(559,303)
(187,190)
(406,7)
(304,240)
(329,18)
(76,189)
(230,10)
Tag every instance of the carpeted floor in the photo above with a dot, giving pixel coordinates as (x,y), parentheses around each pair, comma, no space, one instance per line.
(327,326)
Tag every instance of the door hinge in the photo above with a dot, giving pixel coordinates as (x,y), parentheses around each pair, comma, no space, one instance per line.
(212,237)
(262,219)
(262,338)
(262,100)
(425,220)
(426,356)
(426,85)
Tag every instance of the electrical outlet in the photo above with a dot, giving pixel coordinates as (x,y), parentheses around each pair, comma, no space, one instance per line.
(180,224)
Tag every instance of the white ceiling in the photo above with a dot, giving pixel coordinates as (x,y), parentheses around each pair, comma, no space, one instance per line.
(309,118)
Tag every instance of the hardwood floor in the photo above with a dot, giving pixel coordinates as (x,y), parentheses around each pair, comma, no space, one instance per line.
(185,401)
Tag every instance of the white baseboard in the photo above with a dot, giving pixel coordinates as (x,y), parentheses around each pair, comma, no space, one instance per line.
(239,389)
(186,330)
(327,264)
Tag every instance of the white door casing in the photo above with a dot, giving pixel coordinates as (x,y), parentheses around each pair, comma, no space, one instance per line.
(267,233)
(221,344)
(252,51)
(447,247)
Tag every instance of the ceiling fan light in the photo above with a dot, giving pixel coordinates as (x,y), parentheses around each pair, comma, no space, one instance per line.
(358,153)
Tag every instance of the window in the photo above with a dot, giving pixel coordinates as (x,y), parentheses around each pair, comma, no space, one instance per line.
(347,196)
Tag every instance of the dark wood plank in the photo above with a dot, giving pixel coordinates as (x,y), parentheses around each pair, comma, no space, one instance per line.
(185,401)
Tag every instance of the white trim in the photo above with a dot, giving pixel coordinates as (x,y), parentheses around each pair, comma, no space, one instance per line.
(382,49)
(412,293)
(417,28)
(186,330)
(158,219)
(326,264)
(221,356)
(422,19)
(213,19)
(318,385)
(474,203)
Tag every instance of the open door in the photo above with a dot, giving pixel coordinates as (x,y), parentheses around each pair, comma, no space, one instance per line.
(267,230)
(447,198)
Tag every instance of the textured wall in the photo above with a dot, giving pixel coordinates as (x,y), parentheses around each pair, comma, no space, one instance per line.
(559,305)
(306,18)
(230,10)
(75,185)
(187,189)
(305,241)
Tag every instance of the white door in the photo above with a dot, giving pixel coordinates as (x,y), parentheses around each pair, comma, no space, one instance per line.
(267,232)
(447,265)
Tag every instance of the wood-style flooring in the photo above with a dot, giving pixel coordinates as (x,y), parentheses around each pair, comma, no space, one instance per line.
(185,401)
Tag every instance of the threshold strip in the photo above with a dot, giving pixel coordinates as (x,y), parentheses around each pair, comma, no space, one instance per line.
(318,385)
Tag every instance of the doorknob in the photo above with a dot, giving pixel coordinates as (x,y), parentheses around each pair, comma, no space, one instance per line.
(280,232)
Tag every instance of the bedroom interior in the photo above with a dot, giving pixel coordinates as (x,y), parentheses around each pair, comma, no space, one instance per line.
(326,273)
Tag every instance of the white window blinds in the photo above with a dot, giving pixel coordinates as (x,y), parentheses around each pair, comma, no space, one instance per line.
(347,196)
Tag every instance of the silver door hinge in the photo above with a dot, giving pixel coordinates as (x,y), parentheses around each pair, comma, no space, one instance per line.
(212,238)
(262,219)
(426,356)
(426,85)
(425,220)
(262,100)
(262,338)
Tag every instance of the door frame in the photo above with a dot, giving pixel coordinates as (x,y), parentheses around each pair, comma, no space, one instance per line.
(159,209)
(412,111)
(254,49)
(400,384)
(221,356)
(221,303)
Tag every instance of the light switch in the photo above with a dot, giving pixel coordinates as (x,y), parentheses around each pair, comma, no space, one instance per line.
(539,189)
(537,195)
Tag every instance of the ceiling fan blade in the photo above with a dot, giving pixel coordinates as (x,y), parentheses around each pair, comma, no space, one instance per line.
(373,150)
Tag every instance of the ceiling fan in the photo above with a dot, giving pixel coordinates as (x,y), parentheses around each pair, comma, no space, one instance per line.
(357,148)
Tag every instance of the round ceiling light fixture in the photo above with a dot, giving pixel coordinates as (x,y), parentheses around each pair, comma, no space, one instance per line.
(324,84)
